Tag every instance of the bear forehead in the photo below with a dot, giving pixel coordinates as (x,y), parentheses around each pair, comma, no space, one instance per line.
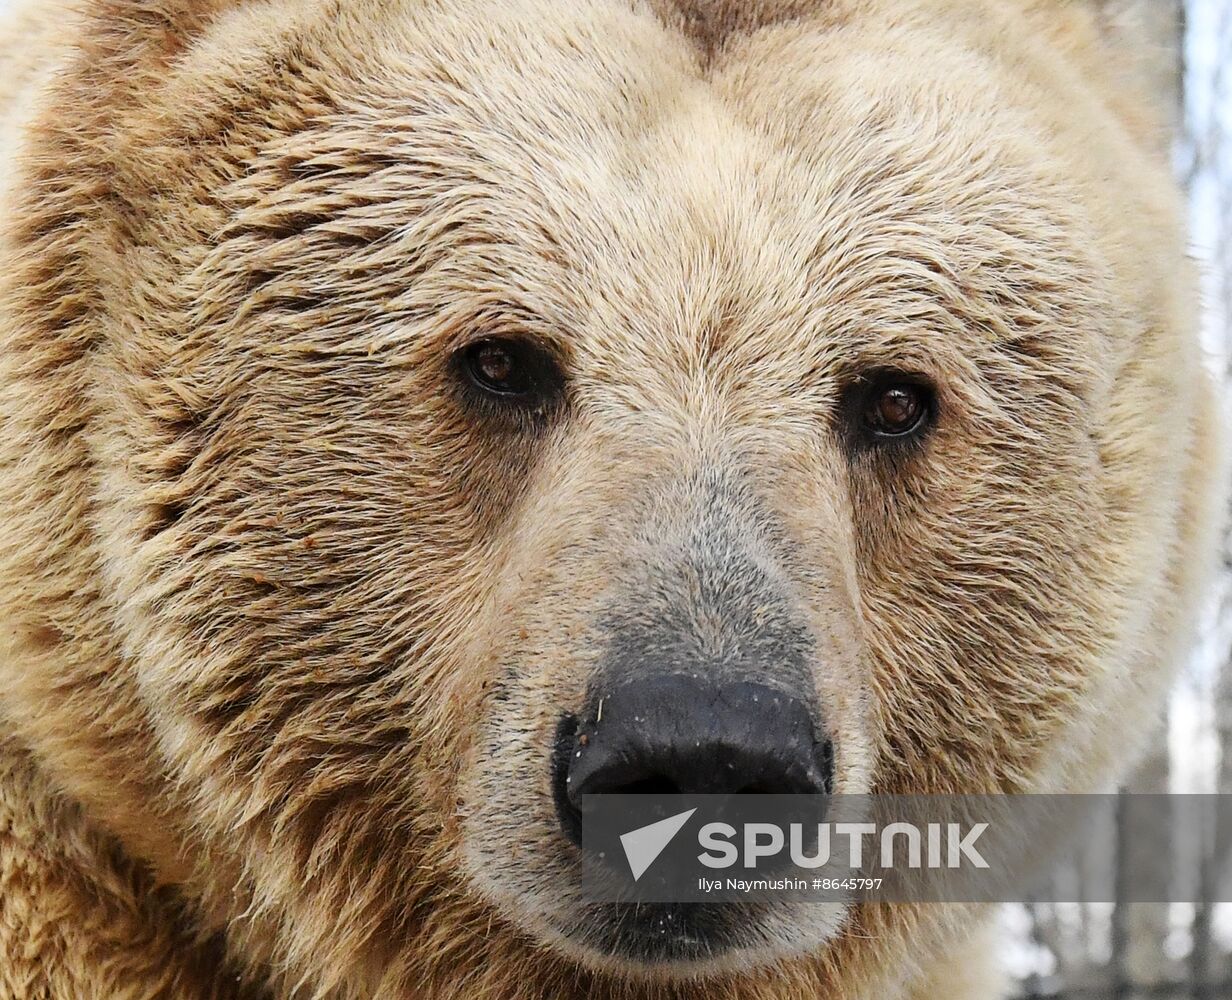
(817,161)
(709,24)
(818,185)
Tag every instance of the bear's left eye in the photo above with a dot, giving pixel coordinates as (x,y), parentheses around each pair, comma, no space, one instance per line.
(895,410)
(891,406)
(510,370)
(495,365)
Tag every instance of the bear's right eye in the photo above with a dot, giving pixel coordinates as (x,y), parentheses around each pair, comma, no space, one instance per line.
(508,370)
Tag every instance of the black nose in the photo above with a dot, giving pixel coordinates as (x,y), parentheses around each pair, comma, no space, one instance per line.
(677,734)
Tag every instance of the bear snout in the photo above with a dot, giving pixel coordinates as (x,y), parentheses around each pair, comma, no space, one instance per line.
(685,734)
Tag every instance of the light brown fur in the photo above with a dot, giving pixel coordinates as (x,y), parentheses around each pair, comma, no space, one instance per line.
(285,626)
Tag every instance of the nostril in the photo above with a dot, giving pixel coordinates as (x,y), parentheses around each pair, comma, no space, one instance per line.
(657,784)
(563,750)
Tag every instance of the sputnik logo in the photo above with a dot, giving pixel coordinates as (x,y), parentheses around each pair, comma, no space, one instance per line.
(646,843)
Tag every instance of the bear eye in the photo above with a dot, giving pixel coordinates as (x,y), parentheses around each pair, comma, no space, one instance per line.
(896,407)
(509,372)
(496,366)
(508,369)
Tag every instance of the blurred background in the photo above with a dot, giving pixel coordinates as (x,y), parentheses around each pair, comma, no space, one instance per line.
(1179,950)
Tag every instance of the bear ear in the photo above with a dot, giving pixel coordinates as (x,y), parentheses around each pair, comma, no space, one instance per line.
(1148,36)
(1130,51)
(1144,40)
(130,35)
(120,48)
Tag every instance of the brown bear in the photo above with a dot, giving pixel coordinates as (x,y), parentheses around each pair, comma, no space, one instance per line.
(386,383)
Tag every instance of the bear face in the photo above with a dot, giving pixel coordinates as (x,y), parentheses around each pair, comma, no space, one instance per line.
(463,366)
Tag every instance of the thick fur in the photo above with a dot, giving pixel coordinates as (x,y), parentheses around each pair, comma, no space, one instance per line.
(286,619)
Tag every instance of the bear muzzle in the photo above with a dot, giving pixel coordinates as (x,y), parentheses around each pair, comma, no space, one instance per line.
(684,734)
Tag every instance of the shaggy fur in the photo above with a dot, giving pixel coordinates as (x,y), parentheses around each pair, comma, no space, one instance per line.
(288,619)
